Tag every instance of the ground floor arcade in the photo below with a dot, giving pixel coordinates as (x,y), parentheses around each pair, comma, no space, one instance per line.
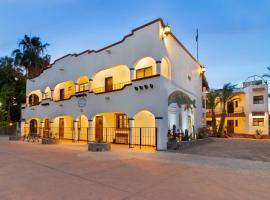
(114,127)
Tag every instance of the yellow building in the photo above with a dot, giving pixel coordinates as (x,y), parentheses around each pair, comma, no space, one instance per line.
(247,112)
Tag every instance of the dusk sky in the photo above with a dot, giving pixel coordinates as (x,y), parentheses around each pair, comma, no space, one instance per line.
(234,35)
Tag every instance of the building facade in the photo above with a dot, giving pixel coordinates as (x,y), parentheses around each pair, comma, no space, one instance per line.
(247,112)
(119,93)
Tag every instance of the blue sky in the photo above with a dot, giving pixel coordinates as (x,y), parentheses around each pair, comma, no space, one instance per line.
(234,34)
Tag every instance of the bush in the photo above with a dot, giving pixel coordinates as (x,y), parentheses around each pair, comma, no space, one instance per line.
(202,133)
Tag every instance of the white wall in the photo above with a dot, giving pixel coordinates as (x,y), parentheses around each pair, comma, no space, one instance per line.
(145,42)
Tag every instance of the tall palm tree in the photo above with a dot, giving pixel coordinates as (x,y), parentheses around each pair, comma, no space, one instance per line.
(267,75)
(211,103)
(31,55)
(226,95)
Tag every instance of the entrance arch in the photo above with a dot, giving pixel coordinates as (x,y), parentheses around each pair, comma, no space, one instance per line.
(144,131)
(33,127)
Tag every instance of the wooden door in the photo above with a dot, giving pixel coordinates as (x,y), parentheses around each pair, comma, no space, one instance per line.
(33,127)
(62,94)
(108,84)
(61,128)
(230,107)
(99,128)
(46,128)
(230,126)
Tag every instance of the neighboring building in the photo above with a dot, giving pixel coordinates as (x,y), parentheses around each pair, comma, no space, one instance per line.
(248,110)
(119,93)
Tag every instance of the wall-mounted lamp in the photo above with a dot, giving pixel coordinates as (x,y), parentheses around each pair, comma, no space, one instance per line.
(146,86)
(61,69)
(203,70)
(136,88)
(107,98)
(151,85)
(165,31)
(141,87)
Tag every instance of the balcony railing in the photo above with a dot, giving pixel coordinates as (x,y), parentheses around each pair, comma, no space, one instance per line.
(114,87)
(239,111)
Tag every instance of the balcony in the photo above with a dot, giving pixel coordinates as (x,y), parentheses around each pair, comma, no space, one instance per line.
(111,88)
(236,112)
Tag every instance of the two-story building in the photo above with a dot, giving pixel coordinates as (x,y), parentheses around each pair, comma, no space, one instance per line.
(130,92)
(247,111)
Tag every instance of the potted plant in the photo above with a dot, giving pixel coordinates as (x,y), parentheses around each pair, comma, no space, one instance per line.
(258,134)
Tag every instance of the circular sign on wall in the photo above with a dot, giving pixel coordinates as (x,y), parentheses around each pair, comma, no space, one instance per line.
(82,102)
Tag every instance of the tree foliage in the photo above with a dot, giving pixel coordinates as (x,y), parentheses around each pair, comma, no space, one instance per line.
(12,89)
(31,55)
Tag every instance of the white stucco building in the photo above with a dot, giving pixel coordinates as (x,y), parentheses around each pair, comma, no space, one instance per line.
(119,93)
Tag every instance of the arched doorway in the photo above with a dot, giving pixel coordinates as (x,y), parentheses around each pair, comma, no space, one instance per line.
(180,112)
(144,131)
(33,100)
(33,127)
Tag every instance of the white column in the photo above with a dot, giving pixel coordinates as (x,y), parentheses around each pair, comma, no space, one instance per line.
(52,94)
(158,62)
(162,131)
(131,128)
(90,131)
(132,77)
(90,85)
(75,130)
(42,128)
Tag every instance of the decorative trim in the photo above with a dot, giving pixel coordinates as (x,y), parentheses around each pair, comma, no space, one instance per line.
(81,94)
(104,48)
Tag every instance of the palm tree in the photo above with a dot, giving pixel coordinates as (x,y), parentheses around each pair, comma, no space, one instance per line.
(211,103)
(267,75)
(31,55)
(226,95)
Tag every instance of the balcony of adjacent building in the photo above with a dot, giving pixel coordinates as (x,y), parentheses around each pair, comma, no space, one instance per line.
(232,110)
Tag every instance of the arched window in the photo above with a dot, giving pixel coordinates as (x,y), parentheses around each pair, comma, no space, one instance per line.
(82,84)
(33,100)
(145,67)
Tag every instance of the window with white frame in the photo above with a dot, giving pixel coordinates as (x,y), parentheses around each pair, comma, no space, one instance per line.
(258,99)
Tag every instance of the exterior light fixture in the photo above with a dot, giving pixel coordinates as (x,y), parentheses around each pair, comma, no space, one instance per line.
(61,69)
(107,98)
(146,86)
(151,85)
(141,87)
(202,70)
(165,31)
(136,88)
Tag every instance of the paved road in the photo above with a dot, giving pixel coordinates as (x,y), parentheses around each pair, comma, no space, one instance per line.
(249,149)
(34,171)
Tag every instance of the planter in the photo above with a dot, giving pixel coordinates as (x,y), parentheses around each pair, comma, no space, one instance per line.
(49,141)
(15,137)
(98,147)
(175,146)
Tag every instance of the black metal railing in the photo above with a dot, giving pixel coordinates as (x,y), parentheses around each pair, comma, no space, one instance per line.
(135,136)
(116,86)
